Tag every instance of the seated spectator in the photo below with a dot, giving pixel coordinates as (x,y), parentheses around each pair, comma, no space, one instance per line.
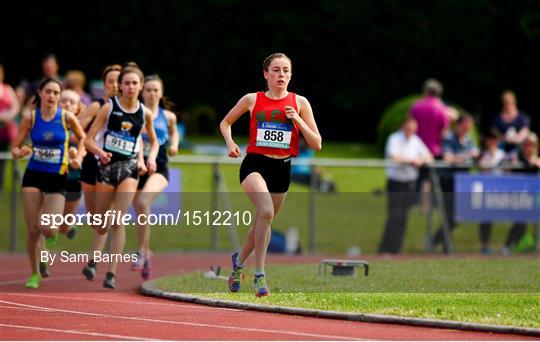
(301,170)
(492,155)
(407,150)
(527,161)
(459,152)
(511,125)
(527,156)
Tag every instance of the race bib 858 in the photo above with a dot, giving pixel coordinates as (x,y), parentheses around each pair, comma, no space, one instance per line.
(275,135)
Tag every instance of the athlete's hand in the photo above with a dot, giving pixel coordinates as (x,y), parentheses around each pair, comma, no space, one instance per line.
(75,163)
(151,166)
(72,152)
(141,167)
(20,152)
(291,114)
(105,157)
(234,151)
(173,150)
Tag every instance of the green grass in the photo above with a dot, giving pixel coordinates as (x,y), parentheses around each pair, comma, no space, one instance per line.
(496,291)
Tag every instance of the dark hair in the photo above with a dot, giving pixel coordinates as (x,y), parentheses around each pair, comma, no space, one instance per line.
(108,69)
(129,68)
(164,102)
(464,117)
(269,59)
(49,56)
(407,119)
(490,135)
(47,80)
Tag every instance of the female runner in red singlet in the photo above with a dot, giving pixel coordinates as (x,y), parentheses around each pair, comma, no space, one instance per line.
(277,118)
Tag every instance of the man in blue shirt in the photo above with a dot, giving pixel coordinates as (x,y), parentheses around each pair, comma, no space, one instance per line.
(459,152)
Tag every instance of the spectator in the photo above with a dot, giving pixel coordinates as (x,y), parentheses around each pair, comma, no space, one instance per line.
(405,148)
(491,158)
(301,171)
(433,118)
(528,154)
(75,80)
(49,68)
(9,108)
(529,162)
(432,115)
(511,125)
(492,155)
(459,150)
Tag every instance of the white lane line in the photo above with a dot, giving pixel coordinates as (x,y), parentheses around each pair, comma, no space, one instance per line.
(19,308)
(78,332)
(214,326)
(179,304)
(12,282)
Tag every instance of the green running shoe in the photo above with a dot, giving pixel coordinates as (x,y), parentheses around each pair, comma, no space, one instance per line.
(33,281)
(50,242)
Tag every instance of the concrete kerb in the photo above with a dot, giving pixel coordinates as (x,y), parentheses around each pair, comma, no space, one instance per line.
(150,289)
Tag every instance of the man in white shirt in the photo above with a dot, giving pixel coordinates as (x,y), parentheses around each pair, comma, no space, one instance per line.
(405,153)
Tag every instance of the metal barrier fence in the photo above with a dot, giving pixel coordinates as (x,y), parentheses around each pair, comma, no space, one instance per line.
(219,187)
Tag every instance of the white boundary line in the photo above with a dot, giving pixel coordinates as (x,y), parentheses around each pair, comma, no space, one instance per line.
(203,325)
(183,305)
(78,332)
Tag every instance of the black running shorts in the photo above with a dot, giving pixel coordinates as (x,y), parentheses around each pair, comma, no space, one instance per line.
(276,172)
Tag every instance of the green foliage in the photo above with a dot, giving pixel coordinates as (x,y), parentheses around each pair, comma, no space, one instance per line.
(396,113)
(393,117)
(345,61)
(201,119)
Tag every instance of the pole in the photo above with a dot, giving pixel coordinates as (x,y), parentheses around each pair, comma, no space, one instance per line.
(312,209)
(14,205)
(439,199)
(215,188)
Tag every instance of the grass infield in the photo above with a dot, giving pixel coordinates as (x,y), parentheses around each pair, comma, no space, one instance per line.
(489,291)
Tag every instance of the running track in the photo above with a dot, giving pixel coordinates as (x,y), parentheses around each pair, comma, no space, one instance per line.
(68,307)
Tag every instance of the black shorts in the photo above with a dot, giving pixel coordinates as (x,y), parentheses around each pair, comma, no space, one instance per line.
(46,182)
(117,171)
(89,169)
(161,168)
(276,172)
(73,189)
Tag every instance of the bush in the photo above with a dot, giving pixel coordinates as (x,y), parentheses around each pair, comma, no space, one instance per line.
(393,117)
(201,120)
(396,113)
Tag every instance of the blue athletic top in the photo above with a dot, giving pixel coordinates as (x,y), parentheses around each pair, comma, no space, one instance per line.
(161,127)
(50,141)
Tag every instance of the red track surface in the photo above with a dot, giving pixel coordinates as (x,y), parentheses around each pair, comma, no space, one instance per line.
(68,307)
